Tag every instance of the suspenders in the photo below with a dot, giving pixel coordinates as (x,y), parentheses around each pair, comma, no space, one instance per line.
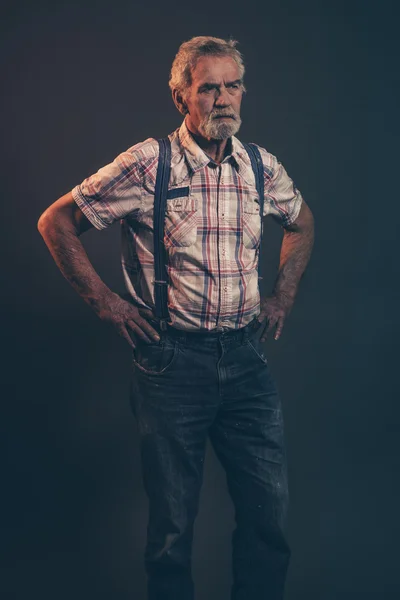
(160,261)
(160,199)
(258,170)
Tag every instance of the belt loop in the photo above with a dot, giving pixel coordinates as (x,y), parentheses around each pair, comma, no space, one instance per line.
(163,325)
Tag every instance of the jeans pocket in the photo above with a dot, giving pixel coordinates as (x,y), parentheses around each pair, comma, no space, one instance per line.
(155,358)
(255,346)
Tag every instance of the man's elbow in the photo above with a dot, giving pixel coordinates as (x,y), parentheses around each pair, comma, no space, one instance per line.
(62,215)
(44,222)
(50,221)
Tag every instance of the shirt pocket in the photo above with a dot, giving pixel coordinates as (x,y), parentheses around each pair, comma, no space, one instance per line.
(251,223)
(181,222)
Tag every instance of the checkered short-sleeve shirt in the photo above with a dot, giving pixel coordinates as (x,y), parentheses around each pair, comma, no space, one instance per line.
(212,226)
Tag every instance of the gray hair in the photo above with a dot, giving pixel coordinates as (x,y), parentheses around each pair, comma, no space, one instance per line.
(189,52)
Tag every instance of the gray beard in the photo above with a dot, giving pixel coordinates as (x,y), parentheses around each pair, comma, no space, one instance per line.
(217,129)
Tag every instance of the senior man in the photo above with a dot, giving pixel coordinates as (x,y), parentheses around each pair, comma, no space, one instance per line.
(198,368)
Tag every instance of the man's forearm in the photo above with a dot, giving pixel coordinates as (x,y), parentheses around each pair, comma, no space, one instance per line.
(70,256)
(295,253)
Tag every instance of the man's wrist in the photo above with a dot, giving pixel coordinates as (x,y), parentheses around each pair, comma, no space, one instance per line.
(284,297)
(99,300)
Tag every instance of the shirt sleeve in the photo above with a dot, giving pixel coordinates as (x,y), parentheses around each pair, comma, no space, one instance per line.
(282,199)
(115,190)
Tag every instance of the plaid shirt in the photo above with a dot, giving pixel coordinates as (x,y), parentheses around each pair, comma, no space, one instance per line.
(212,226)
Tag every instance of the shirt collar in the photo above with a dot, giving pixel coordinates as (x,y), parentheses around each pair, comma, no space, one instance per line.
(197,159)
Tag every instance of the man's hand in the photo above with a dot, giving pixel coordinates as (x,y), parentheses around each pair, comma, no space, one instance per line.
(124,317)
(274,309)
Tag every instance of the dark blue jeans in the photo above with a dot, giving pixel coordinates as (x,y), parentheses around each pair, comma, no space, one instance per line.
(185,388)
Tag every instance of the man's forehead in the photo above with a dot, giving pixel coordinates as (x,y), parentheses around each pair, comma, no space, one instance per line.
(212,69)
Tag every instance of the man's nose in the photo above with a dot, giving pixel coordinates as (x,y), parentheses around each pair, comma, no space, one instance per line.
(222,98)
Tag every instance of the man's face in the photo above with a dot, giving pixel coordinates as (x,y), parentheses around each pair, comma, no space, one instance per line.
(214,98)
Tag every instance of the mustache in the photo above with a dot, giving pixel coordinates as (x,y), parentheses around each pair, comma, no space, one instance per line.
(216,115)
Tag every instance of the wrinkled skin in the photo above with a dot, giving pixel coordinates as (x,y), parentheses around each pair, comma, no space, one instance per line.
(127,318)
(274,311)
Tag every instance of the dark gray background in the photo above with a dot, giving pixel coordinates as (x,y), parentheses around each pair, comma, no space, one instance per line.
(80,85)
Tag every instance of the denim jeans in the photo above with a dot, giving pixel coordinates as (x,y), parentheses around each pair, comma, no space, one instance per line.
(189,386)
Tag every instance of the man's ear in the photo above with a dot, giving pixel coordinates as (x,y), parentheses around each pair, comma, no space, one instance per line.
(179,102)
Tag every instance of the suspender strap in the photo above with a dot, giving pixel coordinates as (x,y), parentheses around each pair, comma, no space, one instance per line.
(258,170)
(160,259)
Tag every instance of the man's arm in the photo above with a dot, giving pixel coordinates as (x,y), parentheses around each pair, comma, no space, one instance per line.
(60,226)
(295,253)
